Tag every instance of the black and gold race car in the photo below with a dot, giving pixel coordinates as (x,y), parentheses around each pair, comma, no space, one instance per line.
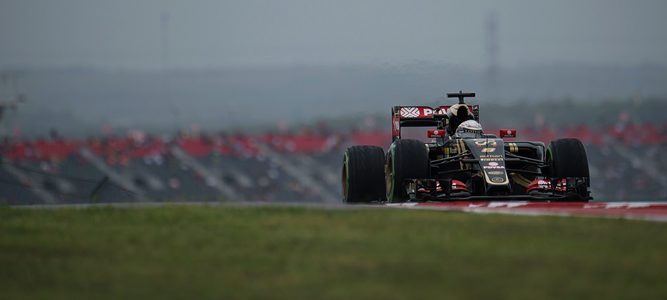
(462,162)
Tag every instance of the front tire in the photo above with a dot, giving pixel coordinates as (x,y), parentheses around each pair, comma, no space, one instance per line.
(567,159)
(406,159)
(363,174)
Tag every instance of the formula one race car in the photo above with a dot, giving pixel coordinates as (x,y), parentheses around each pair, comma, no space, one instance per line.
(461,162)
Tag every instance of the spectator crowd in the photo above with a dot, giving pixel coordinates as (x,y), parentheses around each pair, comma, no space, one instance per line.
(625,159)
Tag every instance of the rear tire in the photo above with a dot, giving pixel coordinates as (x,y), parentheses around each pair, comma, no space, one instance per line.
(363,174)
(567,159)
(407,159)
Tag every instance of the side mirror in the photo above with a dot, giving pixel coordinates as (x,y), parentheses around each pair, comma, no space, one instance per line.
(507,133)
(436,133)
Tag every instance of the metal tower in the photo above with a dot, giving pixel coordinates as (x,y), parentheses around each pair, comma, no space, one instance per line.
(491,41)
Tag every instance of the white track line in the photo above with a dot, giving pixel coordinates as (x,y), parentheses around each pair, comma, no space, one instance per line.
(537,212)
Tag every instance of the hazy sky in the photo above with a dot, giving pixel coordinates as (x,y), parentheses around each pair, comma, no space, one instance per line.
(127,33)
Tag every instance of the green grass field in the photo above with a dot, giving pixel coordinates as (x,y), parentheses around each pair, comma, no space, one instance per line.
(221,252)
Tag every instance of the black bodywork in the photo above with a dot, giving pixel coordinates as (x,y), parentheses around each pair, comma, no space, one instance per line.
(504,172)
(489,167)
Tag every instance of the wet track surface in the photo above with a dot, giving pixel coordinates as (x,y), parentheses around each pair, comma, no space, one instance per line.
(654,211)
(650,211)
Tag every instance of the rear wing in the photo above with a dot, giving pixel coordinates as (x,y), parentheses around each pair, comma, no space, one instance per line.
(421,116)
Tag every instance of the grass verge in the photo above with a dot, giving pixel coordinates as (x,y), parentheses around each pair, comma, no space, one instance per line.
(191,252)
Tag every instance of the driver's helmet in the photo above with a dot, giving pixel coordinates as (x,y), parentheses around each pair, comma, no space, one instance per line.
(469,129)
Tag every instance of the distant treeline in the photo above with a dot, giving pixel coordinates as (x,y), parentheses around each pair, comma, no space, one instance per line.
(81,102)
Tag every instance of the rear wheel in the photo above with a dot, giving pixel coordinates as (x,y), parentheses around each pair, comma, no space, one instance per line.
(407,159)
(567,159)
(363,174)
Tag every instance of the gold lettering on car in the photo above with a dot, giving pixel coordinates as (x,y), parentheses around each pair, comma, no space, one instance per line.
(486,143)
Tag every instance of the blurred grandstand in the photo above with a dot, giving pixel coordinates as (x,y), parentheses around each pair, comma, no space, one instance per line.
(303,166)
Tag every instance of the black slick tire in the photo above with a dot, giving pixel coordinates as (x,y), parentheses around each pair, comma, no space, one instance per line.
(567,159)
(363,174)
(406,159)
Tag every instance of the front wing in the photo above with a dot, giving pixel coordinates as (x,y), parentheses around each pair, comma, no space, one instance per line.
(441,190)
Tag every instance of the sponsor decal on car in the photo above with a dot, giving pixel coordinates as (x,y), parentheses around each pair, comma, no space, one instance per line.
(491,159)
(495,173)
(497,179)
(508,133)
(493,167)
(434,133)
(396,125)
(416,112)
(487,150)
(486,143)
(409,112)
